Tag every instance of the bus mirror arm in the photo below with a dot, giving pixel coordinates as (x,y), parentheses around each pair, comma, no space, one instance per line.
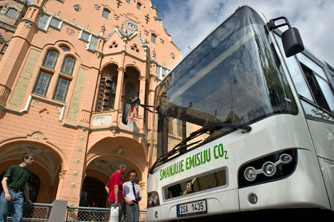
(291,39)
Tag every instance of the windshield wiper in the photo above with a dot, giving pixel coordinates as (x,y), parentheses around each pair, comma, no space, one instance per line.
(181,147)
(171,153)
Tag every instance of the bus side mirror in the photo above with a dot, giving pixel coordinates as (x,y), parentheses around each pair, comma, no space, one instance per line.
(292,42)
(291,39)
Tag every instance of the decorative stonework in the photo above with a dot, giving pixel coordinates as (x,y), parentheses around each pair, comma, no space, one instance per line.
(118,151)
(70,31)
(116,17)
(87,28)
(59,109)
(146,32)
(73,22)
(142,185)
(162,41)
(58,15)
(27,25)
(37,136)
(102,120)
(62,174)
(97,7)
(101,33)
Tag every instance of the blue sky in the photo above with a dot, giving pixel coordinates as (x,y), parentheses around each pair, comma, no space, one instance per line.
(189,21)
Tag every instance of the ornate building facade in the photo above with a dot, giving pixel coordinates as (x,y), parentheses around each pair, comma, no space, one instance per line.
(64,67)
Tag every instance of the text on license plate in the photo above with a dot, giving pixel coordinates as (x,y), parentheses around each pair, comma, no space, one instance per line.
(196,207)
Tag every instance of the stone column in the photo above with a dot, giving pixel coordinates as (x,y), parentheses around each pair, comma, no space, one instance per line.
(142,88)
(62,176)
(74,179)
(119,88)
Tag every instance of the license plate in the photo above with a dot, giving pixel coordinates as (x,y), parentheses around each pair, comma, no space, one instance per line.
(192,208)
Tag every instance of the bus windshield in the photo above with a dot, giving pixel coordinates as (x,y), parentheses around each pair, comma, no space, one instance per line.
(233,76)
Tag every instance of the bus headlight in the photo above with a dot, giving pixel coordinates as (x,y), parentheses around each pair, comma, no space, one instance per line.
(269,169)
(285,158)
(272,167)
(153,199)
(250,174)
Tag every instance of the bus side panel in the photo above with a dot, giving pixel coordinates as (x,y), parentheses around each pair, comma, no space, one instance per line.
(323,138)
(303,189)
(327,168)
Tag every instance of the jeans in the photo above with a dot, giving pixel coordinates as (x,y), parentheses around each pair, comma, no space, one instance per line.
(15,205)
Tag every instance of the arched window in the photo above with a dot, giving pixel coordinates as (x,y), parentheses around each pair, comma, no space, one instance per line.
(65,49)
(42,83)
(129,90)
(61,89)
(64,77)
(51,59)
(93,192)
(138,5)
(11,12)
(68,66)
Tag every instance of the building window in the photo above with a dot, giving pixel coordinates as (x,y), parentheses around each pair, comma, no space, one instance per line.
(172,55)
(61,89)
(43,21)
(113,45)
(158,68)
(84,36)
(11,12)
(65,49)
(64,77)
(153,38)
(134,48)
(42,83)
(46,21)
(164,72)
(138,5)
(179,127)
(105,13)
(4,48)
(55,23)
(92,40)
(170,130)
(50,59)
(128,1)
(68,66)
(93,43)
(106,100)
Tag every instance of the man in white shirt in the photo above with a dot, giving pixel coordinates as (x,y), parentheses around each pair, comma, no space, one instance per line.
(132,195)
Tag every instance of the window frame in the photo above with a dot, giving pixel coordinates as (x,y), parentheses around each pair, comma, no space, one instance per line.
(48,23)
(103,13)
(56,75)
(92,40)
(9,10)
(154,38)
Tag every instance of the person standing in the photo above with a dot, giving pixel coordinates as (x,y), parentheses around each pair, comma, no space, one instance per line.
(14,182)
(115,190)
(132,195)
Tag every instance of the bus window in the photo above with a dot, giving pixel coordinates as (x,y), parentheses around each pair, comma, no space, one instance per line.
(296,73)
(318,82)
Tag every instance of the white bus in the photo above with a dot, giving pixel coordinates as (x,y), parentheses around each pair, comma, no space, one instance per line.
(244,128)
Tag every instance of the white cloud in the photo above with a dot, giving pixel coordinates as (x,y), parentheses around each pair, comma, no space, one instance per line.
(189,21)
